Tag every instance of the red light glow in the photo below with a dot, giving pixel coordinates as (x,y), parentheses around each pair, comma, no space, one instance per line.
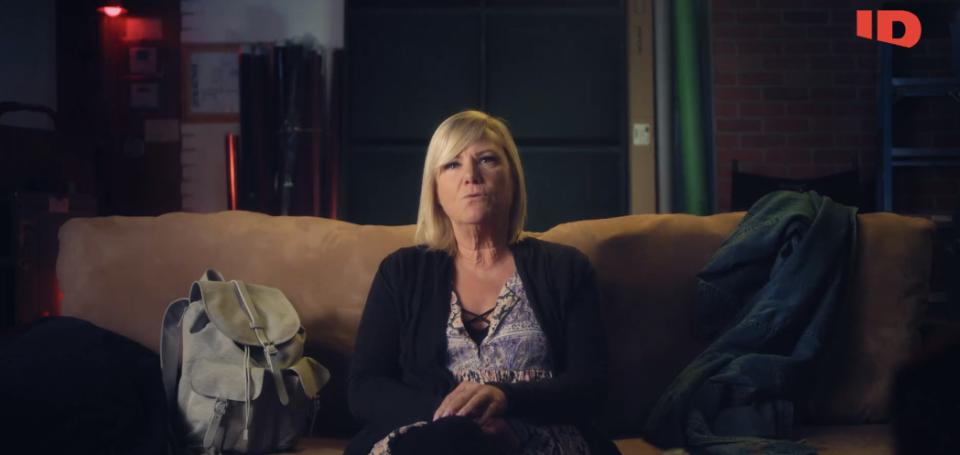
(112,11)
(232,170)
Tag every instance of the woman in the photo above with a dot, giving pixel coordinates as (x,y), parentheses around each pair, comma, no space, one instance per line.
(480,340)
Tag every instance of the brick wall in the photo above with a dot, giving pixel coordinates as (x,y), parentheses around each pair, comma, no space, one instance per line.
(796,96)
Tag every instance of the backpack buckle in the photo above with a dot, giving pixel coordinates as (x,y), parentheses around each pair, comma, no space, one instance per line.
(271,349)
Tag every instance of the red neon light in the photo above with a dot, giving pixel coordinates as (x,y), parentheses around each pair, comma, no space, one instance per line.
(232,156)
(112,11)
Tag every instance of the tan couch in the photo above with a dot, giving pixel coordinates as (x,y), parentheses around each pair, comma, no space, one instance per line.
(120,273)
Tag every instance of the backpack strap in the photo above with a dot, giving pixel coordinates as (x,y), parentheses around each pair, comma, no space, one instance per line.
(170,334)
(170,346)
(269,349)
(213,438)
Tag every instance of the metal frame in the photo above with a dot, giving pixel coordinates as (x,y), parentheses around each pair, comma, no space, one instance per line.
(885,170)
(663,83)
(892,89)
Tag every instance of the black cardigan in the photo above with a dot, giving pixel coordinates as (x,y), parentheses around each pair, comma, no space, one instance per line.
(398,375)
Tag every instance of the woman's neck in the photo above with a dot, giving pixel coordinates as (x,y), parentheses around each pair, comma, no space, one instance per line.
(481,248)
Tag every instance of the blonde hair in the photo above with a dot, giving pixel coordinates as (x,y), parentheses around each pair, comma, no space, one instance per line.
(453,136)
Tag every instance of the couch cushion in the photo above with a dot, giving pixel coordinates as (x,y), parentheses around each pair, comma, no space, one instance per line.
(848,439)
(121,273)
(636,447)
(647,266)
(321,446)
(878,330)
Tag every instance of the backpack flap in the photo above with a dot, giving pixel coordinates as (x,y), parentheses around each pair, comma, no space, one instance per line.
(253,315)
(235,308)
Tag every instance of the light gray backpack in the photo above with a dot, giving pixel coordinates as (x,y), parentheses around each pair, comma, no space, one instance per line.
(245,386)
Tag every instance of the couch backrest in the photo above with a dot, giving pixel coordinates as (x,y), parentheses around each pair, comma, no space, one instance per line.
(121,273)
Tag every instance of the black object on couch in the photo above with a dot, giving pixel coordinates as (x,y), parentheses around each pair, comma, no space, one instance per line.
(69,386)
(746,188)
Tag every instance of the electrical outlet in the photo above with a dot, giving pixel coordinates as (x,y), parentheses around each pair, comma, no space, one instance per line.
(641,134)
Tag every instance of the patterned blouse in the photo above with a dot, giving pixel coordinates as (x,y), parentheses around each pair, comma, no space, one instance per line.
(515,349)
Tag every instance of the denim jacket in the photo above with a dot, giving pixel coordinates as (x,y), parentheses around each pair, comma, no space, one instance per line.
(770,298)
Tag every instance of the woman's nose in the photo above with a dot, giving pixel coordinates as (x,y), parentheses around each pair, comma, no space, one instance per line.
(471,172)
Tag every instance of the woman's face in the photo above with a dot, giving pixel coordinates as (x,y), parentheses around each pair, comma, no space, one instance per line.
(475,187)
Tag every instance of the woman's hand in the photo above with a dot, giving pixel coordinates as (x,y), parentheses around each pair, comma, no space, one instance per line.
(471,399)
(502,435)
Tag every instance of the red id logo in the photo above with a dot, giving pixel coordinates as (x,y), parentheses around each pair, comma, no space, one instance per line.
(885,20)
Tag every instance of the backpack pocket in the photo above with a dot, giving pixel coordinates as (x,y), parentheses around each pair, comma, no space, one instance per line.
(219,406)
(311,377)
(219,416)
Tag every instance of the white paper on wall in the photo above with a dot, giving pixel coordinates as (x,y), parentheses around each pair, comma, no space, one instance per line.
(215,82)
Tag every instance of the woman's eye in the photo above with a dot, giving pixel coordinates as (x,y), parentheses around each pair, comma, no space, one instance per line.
(451,165)
(488,159)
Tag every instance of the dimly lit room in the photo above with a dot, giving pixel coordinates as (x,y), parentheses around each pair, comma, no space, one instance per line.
(480,227)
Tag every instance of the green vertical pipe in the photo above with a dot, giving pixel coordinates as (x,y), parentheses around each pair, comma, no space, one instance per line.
(688,91)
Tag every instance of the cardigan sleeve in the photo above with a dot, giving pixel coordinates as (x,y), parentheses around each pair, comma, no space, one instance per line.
(578,393)
(376,393)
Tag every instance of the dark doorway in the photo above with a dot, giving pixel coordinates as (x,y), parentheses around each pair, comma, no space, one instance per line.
(555,70)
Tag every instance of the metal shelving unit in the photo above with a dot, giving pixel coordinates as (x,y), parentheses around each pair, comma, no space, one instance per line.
(893,89)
